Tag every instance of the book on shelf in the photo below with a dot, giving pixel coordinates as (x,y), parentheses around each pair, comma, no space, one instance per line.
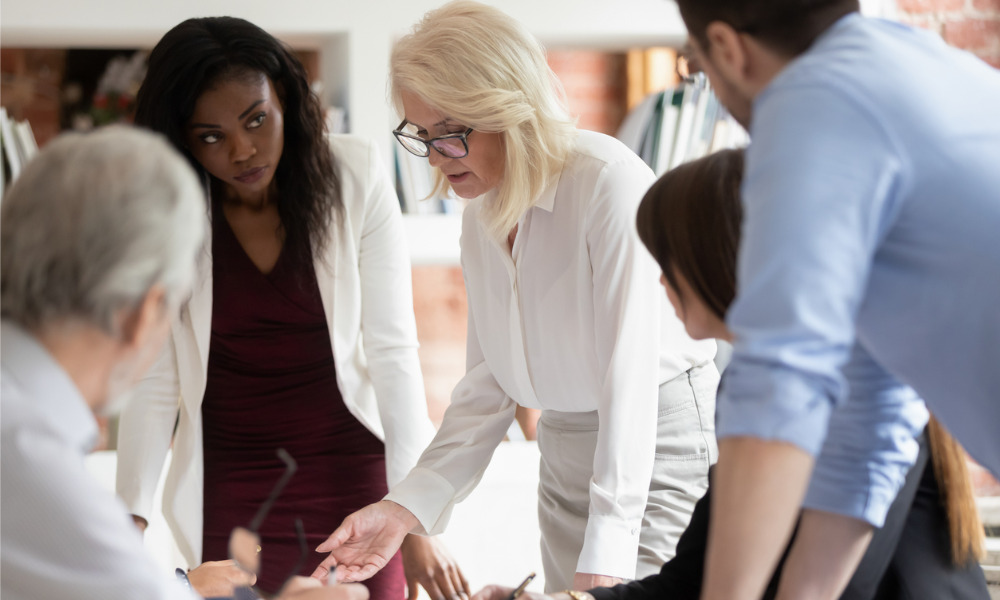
(701,138)
(650,147)
(18,147)
(25,139)
(11,151)
(672,102)
(415,182)
(685,124)
(678,125)
(728,134)
(634,129)
(415,187)
(3,174)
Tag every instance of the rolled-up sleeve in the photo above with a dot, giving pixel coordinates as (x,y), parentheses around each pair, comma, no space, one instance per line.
(873,434)
(814,217)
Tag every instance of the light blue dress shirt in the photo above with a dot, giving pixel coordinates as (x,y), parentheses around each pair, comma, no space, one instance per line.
(64,535)
(871,234)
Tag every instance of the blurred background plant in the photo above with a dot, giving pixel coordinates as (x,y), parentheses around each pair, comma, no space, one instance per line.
(113,99)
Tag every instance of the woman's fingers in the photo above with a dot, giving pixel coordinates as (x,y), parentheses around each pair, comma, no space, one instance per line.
(461,583)
(336,539)
(431,587)
(324,568)
(354,573)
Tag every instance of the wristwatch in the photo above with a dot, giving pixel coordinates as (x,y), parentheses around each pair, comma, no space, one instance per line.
(577,595)
(182,577)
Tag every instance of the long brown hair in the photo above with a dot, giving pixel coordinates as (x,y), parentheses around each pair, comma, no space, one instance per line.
(955,485)
(199,53)
(689,220)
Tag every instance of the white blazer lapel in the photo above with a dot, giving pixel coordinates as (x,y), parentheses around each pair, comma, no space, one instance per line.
(327,267)
(199,311)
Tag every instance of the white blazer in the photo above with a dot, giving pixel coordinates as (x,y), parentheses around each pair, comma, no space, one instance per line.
(364,281)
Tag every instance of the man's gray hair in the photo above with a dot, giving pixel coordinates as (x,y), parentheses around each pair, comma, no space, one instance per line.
(93,222)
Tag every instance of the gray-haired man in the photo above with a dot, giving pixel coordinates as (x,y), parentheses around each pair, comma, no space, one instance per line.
(98,241)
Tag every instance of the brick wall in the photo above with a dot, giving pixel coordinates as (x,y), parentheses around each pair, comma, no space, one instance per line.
(441,311)
(596,86)
(972,25)
(31,88)
(33,85)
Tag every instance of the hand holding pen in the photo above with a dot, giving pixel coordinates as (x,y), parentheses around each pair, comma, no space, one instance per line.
(520,589)
(496,592)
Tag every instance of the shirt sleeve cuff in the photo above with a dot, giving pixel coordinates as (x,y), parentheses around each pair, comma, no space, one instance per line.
(428,496)
(773,404)
(610,547)
(863,485)
(862,502)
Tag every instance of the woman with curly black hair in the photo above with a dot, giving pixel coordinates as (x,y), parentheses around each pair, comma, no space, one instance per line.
(299,333)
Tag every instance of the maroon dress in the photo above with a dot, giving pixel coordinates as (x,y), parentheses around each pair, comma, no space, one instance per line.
(272,384)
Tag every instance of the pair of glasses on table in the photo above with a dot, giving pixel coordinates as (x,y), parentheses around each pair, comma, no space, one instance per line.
(244,542)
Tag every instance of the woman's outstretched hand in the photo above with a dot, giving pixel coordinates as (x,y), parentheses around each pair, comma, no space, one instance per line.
(427,563)
(364,542)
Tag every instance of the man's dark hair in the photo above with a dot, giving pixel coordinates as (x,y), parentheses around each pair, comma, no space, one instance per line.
(786,26)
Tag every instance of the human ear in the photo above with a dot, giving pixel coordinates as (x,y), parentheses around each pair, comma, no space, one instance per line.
(145,319)
(727,51)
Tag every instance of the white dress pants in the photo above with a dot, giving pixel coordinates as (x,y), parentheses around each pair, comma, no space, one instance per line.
(685,448)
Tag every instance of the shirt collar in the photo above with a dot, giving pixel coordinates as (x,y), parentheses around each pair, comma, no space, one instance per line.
(29,367)
(547,199)
(848,20)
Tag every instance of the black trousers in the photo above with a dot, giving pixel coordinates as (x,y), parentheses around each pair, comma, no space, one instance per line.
(909,557)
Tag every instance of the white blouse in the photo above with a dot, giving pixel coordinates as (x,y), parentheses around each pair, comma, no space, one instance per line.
(574,321)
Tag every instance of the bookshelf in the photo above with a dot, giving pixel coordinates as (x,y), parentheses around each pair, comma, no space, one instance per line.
(353,39)
(680,124)
(17,146)
(353,42)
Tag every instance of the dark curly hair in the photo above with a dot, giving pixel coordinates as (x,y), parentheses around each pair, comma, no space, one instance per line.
(198,53)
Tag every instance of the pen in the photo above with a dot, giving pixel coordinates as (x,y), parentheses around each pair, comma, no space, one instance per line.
(519,589)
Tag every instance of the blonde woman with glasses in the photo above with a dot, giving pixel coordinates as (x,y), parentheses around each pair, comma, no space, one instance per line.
(564,316)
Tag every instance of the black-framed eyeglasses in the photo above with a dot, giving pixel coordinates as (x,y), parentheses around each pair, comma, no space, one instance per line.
(453,145)
(244,543)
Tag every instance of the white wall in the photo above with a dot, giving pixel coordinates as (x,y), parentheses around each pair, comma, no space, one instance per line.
(883,9)
(354,36)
